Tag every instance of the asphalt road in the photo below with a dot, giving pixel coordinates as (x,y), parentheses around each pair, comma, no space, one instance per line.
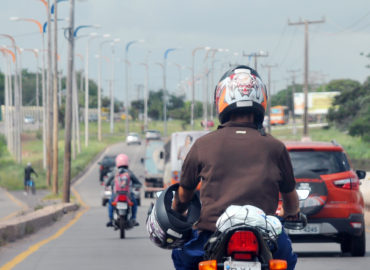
(88,244)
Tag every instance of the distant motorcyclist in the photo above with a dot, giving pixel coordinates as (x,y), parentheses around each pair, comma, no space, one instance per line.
(238,164)
(122,164)
(27,176)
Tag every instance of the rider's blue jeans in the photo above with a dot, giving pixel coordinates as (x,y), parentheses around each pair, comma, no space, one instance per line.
(189,256)
(134,207)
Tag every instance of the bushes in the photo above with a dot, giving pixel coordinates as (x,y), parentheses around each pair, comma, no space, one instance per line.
(2,145)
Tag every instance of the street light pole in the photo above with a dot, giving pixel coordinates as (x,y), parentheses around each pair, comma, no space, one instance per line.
(193,86)
(92,35)
(9,117)
(127,83)
(146,95)
(99,85)
(36,53)
(17,135)
(165,90)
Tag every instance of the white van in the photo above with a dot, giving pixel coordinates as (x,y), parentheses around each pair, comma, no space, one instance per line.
(181,143)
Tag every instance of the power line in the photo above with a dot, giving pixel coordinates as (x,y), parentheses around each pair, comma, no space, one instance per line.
(288,52)
(279,41)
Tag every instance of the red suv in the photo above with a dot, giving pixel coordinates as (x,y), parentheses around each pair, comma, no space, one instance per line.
(332,200)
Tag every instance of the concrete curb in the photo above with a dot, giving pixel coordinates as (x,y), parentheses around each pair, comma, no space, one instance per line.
(19,227)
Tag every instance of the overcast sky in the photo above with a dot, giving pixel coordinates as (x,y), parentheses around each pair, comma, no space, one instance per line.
(237,25)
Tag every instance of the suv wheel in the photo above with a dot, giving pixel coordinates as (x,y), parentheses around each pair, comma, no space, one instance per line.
(356,245)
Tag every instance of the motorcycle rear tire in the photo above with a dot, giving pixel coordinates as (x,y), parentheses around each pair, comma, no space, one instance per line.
(122,227)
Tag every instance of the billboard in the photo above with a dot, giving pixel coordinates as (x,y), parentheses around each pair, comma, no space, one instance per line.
(318,102)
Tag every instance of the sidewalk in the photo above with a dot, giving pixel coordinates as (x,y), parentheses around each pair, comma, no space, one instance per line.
(17,203)
(9,206)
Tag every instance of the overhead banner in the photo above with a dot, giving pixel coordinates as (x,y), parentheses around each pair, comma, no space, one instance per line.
(318,102)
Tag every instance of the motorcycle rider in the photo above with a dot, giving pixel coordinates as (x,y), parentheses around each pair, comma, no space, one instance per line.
(122,164)
(238,164)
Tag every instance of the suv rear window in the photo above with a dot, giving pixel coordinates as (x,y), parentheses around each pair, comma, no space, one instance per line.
(311,164)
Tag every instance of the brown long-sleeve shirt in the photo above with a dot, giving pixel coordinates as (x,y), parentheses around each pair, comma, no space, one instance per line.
(237,165)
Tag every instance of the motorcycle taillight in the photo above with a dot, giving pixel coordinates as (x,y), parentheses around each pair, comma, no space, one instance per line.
(243,245)
(122,198)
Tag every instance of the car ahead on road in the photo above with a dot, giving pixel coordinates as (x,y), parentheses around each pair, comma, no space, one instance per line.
(333,202)
(106,165)
(133,138)
(29,119)
(152,135)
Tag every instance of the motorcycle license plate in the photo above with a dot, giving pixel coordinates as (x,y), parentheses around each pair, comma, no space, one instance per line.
(238,265)
(309,229)
(121,205)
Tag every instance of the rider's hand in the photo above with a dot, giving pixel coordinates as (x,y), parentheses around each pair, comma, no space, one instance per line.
(288,216)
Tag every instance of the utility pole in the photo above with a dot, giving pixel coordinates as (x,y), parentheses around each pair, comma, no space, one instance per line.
(49,107)
(294,130)
(305,88)
(255,56)
(269,96)
(68,113)
(55,102)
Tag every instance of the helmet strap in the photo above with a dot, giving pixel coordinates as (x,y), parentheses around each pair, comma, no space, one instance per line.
(261,129)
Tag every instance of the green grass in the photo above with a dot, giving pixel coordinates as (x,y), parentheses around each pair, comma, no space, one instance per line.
(12,174)
(355,147)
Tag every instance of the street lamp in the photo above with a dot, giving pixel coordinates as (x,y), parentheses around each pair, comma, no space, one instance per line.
(165,56)
(17,135)
(112,88)
(91,36)
(214,51)
(99,84)
(42,30)
(53,6)
(128,45)
(193,84)
(146,95)
(36,53)
(9,118)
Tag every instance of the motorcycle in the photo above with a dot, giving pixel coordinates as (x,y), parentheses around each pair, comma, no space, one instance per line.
(122,210)
(243,246)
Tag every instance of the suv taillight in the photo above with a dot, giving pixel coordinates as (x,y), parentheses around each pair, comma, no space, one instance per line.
(348,183)
(243,245)
(101,167)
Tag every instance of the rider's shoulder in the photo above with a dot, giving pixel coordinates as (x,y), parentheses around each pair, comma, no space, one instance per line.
(273,142)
